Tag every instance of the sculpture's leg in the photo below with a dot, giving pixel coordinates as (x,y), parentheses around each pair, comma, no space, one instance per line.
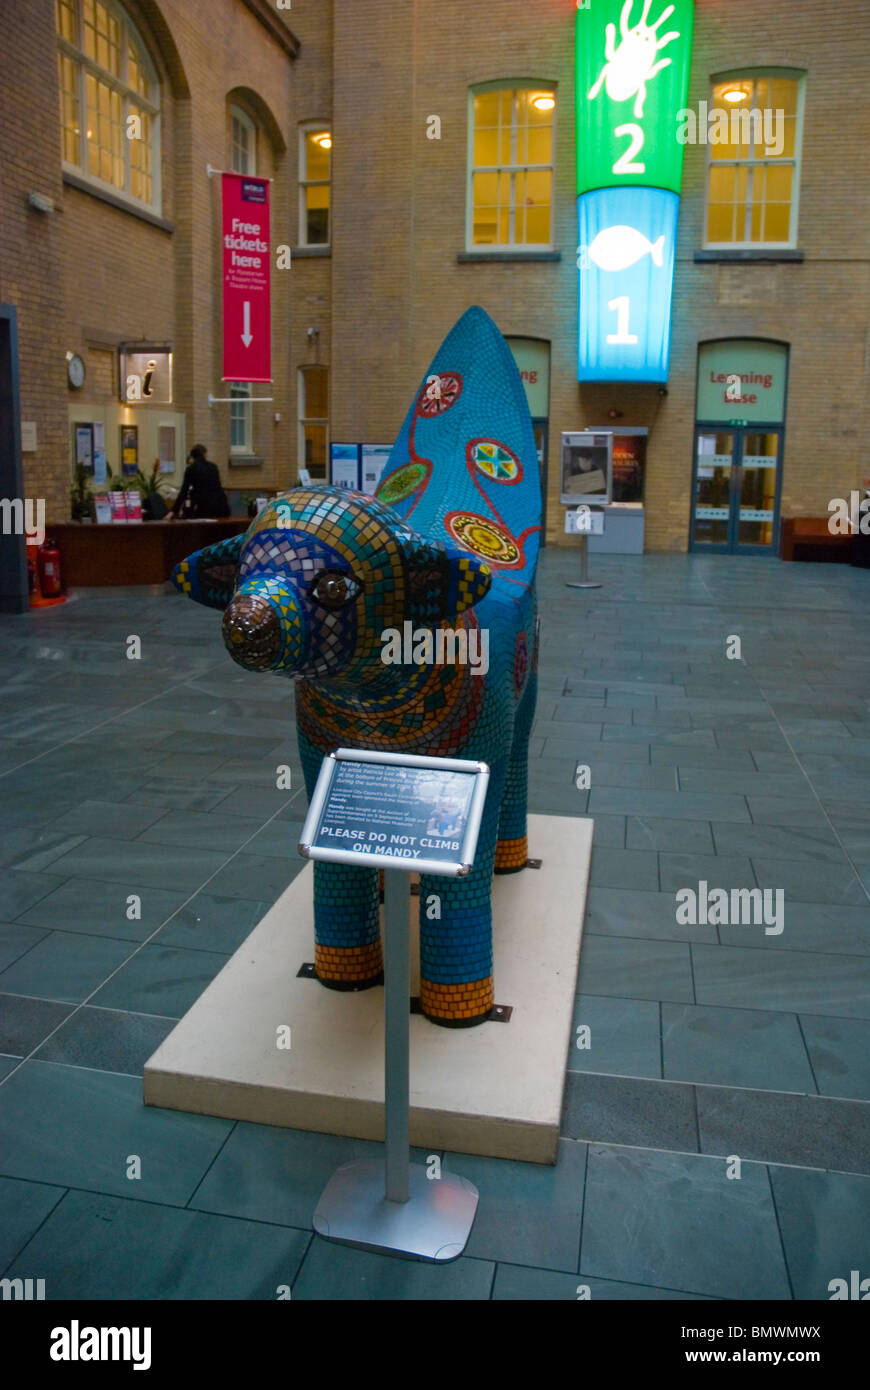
(347,940)
(456,987)
(512,850)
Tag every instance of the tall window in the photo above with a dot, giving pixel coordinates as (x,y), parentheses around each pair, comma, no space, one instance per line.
(315,172)
(243,160)
(754,136)
(109,100)
(313,419)
(510,193)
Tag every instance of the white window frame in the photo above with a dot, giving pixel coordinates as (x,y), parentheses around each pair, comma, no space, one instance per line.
(794,162)
(304,419)
(243,415)
(86,66)
(241,117)
(508,84)
(305,129)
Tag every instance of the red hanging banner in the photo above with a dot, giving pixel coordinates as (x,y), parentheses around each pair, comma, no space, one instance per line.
(246,279)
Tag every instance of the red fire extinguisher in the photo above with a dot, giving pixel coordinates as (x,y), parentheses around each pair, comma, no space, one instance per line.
(32,580)
(48,560)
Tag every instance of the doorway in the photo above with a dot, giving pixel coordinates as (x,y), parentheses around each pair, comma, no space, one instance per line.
(736,482)
(542,439)
(13,561)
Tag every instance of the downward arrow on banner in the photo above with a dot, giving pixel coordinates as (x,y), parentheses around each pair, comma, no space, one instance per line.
(247,335)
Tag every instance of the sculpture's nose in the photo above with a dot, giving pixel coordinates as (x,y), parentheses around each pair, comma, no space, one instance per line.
(262,633)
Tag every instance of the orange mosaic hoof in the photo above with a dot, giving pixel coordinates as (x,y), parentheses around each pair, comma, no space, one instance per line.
(511,855)
(457,1006)
(349,967)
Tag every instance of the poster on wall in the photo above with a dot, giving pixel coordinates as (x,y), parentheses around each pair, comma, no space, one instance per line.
(629,463)
(344,465)
(99,454)
(84,446)
(247,332)
(129,449)
(374,461)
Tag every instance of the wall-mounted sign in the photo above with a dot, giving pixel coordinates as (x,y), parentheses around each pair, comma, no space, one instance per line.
(629,461)
(632,76)
(761,369)
(146,374)
(246,279)
(532,357)
(344,466)
(129,449)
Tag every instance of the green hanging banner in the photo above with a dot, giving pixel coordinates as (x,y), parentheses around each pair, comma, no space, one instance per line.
(632,78)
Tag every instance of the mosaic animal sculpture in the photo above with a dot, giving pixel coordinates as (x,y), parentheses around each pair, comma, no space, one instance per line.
(449,541)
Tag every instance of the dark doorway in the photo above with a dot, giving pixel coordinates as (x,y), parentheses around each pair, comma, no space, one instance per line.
(13,553)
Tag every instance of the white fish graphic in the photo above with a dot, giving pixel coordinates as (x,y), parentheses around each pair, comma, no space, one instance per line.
(617,247)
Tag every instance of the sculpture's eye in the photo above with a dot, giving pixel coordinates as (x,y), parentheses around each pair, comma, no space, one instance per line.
(334,589)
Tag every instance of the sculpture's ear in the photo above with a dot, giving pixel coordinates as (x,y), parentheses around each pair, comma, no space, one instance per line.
(209,576)
(444,581)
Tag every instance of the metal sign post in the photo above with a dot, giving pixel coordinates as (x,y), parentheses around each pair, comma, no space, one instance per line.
(394,1206)
(584,522)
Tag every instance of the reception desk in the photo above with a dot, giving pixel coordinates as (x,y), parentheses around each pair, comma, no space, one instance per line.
(133,553)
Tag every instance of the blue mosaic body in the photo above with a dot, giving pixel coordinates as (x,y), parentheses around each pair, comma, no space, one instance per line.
(449,542)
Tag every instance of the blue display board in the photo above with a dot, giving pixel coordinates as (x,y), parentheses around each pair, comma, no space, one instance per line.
(626,245)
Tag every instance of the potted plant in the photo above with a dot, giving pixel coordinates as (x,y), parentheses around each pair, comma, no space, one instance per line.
(150,488)
(81,498)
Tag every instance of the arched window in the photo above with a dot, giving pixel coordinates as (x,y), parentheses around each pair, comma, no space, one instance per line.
(109,101)
(753,174)
(510,167)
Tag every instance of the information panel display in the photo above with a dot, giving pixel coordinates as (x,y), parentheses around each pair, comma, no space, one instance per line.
(396,811)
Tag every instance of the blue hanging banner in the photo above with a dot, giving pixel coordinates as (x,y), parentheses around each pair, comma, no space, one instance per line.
(626,244)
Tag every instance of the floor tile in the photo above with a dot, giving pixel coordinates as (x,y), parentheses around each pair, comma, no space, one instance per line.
(778,841)
(530,1211)
(636,912)
(681,1224)
(162,980)
(106,1040)
(513,1282)
(624,1037)
(24,1023)
(103,818)
(19,891)
(626,967)
(810,927)
(735,1047)
(795,981)
(811,881)
(197,830)
(680,871)
(64,966)
(15,940)
(809,1131)
(137,862)
(620,1110)
(24,1206)
(839,1049)
(681,805)
(76,1128)
(825,1223)
(338,1273)
(101,909)
(662,833)
(207,923)
(102,1248)
(624,868)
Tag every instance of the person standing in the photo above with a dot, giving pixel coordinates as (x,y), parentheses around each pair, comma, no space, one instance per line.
(202,486)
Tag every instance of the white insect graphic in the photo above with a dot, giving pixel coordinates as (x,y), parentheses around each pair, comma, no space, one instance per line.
(632,65)
(619,246)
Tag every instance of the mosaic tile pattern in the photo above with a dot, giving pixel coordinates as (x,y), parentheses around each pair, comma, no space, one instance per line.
(320,575)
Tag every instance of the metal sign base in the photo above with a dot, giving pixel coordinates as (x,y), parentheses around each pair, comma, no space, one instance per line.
(434,1224)
(584,582)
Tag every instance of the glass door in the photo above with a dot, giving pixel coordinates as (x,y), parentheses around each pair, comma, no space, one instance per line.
(757,503)
(735,489)
(713,489)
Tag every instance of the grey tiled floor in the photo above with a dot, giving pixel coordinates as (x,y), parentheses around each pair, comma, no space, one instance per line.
(142,837)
